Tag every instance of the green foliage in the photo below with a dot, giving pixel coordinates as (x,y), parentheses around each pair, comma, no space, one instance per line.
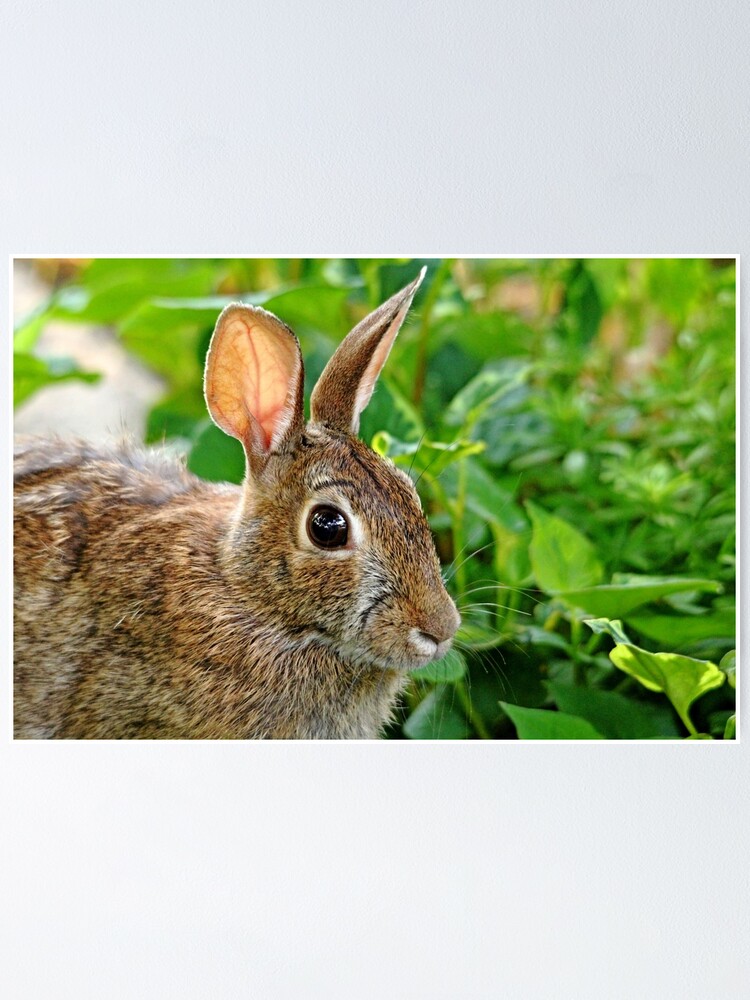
(450,669)
(571,427)
(31,374)
(437,717)
(614,715)
(561,557)
(630,591)
(681,678)
(538,724)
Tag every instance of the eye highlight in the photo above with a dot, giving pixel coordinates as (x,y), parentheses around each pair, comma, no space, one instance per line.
(327,527)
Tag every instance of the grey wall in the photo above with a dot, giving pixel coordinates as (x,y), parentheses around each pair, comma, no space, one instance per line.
(358,871)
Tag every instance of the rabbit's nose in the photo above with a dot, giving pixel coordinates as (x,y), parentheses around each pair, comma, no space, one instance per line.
(442,626)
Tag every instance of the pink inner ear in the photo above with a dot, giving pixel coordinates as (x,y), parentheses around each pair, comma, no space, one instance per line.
(268,366)
(253,371)
(375,365)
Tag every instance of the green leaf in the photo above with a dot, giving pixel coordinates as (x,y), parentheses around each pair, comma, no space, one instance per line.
(109,289)
(511,558)
(582,304)
(519,680)
(160,315)
(164,331)
(561,557)
(673,284)
(478,637)
(728,663)
(423,457)
(31,374)
(613,715)
(320,307)
(485,497)
(485,390)
(617,600)
(437,717)
(681,678)
(151,274)
(27,331)
(716,722)
(390,411)
(540,724)
(179,414)
(484,335)
(730,733)
(603,626)
(535,635)
(172,352)
(316,306)
(217,457)
(670,631)
(448,670)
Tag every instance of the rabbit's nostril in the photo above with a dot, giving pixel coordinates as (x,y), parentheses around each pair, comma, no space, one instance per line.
(423,643)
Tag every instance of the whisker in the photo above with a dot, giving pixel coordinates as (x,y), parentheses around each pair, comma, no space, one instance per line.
(494,604)
(503,586)
(427,468)
(454,569)
(488,662)
(414,456)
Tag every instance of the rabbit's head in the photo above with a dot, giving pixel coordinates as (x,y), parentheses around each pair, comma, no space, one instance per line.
(330,540)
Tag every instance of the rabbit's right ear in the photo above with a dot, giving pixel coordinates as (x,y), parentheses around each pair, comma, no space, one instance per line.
(254,380)
(346,385)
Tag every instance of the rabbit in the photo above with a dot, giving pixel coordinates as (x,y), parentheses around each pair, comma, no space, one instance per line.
(152,604)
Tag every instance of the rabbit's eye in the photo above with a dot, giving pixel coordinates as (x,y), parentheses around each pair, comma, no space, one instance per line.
(327,527)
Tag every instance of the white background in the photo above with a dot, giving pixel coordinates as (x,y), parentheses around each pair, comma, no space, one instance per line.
(393,870)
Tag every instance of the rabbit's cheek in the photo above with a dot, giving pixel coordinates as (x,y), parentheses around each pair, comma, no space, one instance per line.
(392,642)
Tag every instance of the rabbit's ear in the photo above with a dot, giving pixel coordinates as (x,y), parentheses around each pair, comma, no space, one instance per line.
(254,379)
(345,387)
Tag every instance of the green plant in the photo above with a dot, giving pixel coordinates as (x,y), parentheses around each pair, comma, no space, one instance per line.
(570,425)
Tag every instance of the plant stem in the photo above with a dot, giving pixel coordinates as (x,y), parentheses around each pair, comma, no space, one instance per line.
(579,670)
(475,720)
(508,600)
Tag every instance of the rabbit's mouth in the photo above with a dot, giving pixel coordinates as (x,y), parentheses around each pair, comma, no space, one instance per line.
(393,637)
(408,651)
(412,647)
(428,647)
(408,637)
(416,651)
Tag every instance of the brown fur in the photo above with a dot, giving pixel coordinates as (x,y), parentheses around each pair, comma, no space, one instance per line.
(152,604)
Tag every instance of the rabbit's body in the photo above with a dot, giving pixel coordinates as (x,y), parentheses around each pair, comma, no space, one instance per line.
(152,604)
(154,635)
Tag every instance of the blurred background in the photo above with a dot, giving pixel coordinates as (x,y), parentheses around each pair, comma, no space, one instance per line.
(570,425)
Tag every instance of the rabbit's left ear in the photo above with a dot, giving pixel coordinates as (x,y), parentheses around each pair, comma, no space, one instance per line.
(346,385)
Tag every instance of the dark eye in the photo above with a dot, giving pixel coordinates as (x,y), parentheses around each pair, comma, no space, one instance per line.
(327,527)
